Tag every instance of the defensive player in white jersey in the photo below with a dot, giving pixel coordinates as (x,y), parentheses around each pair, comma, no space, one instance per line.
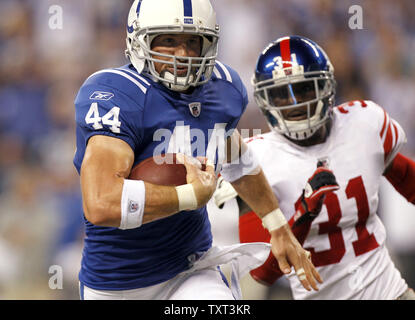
(324,164)
(147,241)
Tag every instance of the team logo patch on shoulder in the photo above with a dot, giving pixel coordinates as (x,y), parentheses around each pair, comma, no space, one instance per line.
(195,109)
(101,95)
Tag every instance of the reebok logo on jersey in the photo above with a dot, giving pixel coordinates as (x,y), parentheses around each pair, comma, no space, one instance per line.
(195,108)
(101,95)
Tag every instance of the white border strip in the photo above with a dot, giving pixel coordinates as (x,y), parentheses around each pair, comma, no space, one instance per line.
(138,84)
(136,75)
(226,71)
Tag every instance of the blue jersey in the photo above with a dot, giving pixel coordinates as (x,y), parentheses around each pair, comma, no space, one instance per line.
(153,120)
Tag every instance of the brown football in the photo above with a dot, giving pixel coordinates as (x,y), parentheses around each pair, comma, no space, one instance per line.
(160,170)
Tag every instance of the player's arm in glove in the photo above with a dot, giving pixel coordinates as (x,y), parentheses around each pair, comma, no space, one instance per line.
(307,207)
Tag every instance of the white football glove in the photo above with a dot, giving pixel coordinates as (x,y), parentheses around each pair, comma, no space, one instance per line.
(224,192)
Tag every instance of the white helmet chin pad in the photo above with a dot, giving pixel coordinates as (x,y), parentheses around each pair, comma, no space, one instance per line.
(150,18)
(176,83)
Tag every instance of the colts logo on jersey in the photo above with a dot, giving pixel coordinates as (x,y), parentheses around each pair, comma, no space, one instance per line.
(195,109)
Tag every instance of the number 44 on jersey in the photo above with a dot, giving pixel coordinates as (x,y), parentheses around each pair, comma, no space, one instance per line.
(109,119)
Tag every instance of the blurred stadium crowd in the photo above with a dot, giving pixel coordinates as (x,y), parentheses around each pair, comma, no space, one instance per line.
(41,70)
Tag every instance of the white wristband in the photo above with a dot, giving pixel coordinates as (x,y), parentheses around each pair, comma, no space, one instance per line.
(132,204)
(274,220)
(187,197)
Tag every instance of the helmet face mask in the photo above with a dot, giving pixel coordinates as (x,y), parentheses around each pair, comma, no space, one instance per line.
(296,99)
(140,37)
(199,69)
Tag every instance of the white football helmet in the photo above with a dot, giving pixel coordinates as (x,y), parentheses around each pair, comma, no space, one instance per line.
(150,18)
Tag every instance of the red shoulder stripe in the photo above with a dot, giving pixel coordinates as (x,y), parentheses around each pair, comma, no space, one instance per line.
(385,120)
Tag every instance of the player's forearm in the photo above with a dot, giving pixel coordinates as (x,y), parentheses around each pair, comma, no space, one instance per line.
(161,202)
(104,208)
(256,192)
(247,178)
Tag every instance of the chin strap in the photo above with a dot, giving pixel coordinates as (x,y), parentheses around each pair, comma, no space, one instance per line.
(401,174)
(175,87)
(180,86)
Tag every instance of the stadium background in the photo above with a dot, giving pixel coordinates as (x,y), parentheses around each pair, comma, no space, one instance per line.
(41,70)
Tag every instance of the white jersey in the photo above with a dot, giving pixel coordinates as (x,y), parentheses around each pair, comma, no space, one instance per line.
(347,239)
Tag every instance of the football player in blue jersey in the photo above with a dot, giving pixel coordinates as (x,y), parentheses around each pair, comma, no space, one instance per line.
(146,241)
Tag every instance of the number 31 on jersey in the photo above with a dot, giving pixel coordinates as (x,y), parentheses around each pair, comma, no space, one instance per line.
(110,118)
